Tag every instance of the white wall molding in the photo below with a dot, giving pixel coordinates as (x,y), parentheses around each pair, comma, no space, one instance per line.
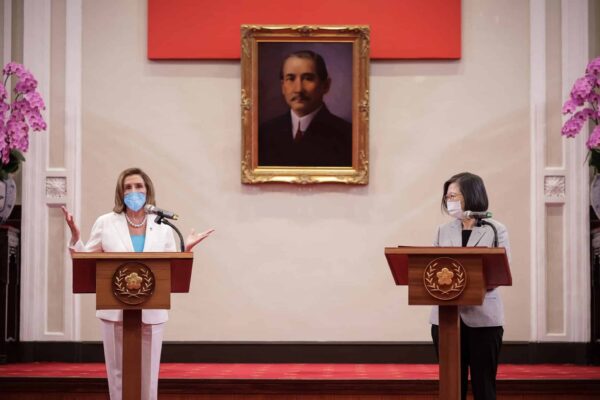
(575,53)
(36,57)
(570,179)
(39,193)
(538,127)
(73,137)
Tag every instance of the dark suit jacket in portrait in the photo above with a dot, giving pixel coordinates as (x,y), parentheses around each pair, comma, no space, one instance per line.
(326,143)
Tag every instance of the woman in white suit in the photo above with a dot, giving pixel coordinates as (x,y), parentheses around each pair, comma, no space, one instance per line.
(480,326)
(129,229)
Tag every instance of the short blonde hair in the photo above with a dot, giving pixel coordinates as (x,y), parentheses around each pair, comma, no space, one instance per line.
(119,191)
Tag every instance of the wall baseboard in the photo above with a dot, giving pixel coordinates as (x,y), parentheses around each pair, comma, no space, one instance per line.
(304,352)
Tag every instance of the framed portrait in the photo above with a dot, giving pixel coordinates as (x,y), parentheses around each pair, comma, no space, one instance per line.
(305,104)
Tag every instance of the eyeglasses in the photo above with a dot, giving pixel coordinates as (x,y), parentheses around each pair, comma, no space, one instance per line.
(453,196)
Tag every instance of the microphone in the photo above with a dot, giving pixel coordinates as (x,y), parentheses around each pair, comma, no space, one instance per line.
(478,214)
(152,209)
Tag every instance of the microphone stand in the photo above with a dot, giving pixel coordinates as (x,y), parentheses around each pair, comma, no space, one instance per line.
(162,220)
(481,222)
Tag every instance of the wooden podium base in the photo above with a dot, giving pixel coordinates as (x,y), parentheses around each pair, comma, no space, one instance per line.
(132,354)
(449,352)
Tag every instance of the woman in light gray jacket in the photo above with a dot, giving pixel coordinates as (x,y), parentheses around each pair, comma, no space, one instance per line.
(480,326)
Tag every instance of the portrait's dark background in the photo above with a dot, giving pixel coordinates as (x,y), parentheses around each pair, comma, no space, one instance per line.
(338,58)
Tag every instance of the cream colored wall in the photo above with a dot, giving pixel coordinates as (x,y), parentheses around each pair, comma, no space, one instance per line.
(305,263)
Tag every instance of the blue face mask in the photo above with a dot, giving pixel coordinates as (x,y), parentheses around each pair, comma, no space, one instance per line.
(135,200)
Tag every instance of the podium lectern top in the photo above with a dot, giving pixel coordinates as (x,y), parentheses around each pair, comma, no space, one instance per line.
(495,261)
(84,268)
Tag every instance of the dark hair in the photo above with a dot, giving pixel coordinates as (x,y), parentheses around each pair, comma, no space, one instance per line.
(119,192)
(311,55)
(472,190)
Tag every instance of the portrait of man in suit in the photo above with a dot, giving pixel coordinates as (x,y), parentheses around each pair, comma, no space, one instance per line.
(308,134)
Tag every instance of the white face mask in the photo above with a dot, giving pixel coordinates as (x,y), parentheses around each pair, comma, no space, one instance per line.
(454,209)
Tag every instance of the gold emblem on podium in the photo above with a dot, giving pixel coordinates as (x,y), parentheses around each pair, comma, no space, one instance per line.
(133,283)
(445,278)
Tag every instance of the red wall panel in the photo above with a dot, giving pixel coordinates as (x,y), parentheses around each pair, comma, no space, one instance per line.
(210,29)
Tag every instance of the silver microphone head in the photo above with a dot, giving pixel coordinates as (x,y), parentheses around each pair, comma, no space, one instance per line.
(478,214)
(152,209)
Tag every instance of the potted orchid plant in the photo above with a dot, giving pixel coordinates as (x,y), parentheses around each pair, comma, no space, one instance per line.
(582,105)
(20,111)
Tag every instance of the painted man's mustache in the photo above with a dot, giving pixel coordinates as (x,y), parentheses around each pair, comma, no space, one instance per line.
(300,97)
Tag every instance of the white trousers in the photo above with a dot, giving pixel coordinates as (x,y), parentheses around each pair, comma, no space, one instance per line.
(152,337)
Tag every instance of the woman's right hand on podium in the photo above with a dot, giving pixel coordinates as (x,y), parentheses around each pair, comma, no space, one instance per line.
(75,233)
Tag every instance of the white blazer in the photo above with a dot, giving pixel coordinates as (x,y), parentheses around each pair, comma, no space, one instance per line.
(491,312)
(111,234)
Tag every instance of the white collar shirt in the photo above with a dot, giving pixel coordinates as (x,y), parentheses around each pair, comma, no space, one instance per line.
(302,122)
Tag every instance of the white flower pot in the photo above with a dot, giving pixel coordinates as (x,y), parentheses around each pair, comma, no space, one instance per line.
(595,194)
(8,196)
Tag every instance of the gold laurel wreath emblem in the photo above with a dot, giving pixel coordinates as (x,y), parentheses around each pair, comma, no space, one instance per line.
(133,283)
(445,278)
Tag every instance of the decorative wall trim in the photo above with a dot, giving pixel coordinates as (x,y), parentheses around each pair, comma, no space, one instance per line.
(36,57)
(44,187)
(73,133)
(554,189)
(575,53)
(567,184)
(307,352)
(56,187)
(537,127)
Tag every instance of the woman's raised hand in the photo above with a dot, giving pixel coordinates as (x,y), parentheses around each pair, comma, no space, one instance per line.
(195,238)
(75,233)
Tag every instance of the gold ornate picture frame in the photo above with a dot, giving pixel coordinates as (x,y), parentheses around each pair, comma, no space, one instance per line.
(321,153)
